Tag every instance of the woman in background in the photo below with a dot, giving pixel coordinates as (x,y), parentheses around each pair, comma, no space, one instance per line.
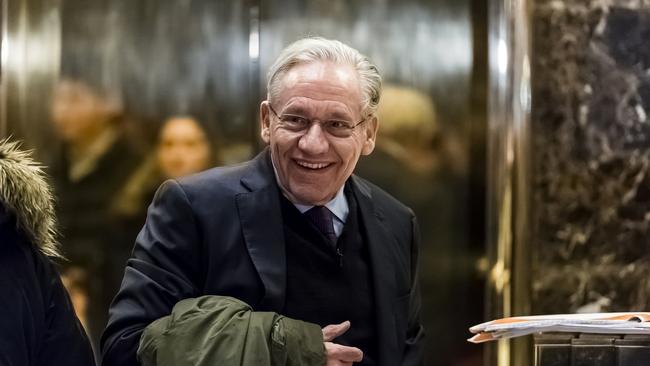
(183,146)
(38,325)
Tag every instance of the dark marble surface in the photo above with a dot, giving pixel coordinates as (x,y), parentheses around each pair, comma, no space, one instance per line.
(591,156)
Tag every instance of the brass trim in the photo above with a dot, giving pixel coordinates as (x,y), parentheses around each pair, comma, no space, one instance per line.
(508,177)
(3,68)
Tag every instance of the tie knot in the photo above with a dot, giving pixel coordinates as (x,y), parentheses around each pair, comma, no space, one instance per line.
(319,213)
(321,217)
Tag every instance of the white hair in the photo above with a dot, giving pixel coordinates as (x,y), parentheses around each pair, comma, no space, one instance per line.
(313,49)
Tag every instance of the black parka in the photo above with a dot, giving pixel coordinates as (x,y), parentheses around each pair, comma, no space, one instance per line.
(38,325)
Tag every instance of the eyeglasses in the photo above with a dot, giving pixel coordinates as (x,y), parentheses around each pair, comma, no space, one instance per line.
(336,128)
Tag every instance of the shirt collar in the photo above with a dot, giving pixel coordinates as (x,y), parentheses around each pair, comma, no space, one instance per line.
(337,205)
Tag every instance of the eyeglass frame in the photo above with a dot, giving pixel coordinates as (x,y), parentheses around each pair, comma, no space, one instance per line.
(350,128)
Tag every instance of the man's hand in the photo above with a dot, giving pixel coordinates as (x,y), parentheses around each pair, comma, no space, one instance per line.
(338,355)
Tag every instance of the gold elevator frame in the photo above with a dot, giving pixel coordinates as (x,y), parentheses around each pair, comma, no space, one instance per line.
(508,175)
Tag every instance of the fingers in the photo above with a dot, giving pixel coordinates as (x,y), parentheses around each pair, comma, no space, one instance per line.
(332,331)
(337,352)
(339,355)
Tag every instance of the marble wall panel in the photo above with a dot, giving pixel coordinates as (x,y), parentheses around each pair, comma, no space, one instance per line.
(591,155)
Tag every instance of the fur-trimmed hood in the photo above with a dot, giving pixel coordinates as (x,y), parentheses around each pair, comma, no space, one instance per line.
(25,192)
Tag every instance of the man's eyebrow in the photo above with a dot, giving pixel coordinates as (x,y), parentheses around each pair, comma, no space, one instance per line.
(337,114)
(295,109)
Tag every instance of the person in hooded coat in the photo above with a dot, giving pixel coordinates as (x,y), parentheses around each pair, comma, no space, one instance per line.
(38,325)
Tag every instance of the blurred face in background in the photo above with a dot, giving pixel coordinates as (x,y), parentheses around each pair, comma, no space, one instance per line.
(183,147)
(79,114)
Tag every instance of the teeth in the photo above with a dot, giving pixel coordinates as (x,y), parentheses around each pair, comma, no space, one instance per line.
(312,165)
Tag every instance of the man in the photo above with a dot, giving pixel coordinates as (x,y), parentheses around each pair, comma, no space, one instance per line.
(88,175)
(291,231)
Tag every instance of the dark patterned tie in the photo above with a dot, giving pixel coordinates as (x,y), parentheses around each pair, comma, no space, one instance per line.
(322,218)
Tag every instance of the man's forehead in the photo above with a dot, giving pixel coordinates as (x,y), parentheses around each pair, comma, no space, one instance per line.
(321,70)
(321,81)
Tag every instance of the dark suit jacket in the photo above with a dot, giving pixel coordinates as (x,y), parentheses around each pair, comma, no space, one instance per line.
(220,233)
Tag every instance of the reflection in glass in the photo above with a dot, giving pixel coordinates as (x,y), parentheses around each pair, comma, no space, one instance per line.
(183,147)
(95,161)
(126,67)
(424,52)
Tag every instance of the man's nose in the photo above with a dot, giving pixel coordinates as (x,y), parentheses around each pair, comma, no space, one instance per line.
(314,141)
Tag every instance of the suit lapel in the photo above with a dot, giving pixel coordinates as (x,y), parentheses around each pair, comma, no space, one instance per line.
(379,242)
(261,221)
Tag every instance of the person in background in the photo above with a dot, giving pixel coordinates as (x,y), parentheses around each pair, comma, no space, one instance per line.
(291,231)
(95,160)
(38,325)
(183,146)
(429,159)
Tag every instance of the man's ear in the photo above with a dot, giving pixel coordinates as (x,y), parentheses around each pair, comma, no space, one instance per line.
(265,122)
(370,135)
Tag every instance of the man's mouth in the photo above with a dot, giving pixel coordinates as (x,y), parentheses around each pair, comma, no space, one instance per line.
(313,166)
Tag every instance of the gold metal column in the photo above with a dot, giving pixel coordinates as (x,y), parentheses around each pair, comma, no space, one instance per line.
(508,194)
(3,68)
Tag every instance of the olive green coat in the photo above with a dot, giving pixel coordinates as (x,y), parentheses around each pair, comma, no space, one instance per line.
(219,330)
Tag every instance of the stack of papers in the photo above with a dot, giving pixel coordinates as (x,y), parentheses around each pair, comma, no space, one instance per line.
(608,323)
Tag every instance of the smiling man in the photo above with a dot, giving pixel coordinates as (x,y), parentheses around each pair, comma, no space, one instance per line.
(292,231)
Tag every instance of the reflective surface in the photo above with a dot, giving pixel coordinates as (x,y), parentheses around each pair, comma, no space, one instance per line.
(30,62)
(592,157)
(508,223)
(135,64)
(424,51)
(568,213)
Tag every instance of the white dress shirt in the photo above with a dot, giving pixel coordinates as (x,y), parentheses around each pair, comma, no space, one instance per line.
(338,206)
